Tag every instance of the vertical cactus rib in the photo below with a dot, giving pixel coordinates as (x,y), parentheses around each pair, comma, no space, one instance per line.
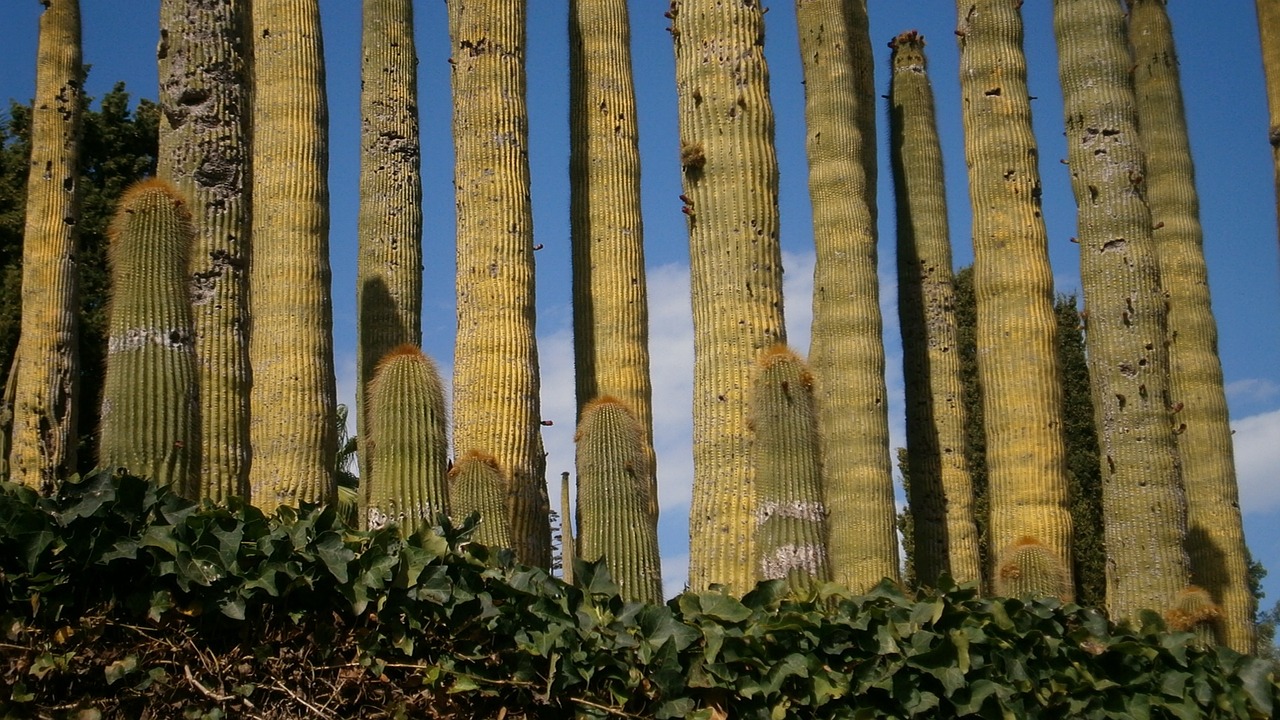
(1215,533)
(1269,35)
(731,184)
(613,499)
(389,258)
(1013,285)
(791,533)
(1143,504)
(477,484)
(847,347)
(204,150)
(407,427)
(941,492)
(150,395)
(495,377)
(292,431)
(610,300)
(43,444)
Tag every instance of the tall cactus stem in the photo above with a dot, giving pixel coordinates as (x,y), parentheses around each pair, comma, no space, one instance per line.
(150,396)
(407,428)
(1269,35)
(568,545)
(477,484)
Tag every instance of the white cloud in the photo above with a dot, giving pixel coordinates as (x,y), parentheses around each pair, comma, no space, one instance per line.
(675,574)
(1252,390)
(1257,453)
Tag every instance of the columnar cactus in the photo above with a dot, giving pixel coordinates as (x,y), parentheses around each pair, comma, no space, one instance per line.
(1269,34)
(150,395)
(1013,285)
(847,349)
(477,484)
(42,448)
(1027,568)
(941,492)
(291,340)
(613,499)
(1143,503)
(495,376)
(204,151)
(610,302)
(407,429)
(1215,537)
(791,537)
(731,199)
(568,546)
(389,260)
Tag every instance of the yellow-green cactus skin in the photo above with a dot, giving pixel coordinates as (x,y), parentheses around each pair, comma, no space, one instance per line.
(568,546)
(150,395)
(1269,35)
(204,150)
(791,533)
(610,300)
(42,448)
(941,492)
(1029,569)
(389,259)
(731,192)
(1013,285)
(614,522)
(495,376)
(477,484)
(1215,533)
(847,348)
(1144,509)
(407,429)
(291,430)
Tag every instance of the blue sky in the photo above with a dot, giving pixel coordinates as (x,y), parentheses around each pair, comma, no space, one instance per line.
(1226,106)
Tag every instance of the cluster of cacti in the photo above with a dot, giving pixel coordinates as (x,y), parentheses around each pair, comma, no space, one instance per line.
(1013,284)
(150,397)
(1215,535)
(1027,568)
(941,492)
(406,417)
(791,518)
(42,447)
(614,522)
(731,195)
(478,484)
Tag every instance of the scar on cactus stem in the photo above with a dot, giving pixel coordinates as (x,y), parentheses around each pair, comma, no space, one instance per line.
(1027,567)
(1192,606)
(693,157)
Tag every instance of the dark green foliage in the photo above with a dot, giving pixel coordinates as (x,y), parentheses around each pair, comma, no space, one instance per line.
(118,148)
(975,441)
(117,595)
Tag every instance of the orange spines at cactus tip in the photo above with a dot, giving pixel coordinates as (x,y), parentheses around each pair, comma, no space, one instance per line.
(1027,567)
(1193,609)
(478,484)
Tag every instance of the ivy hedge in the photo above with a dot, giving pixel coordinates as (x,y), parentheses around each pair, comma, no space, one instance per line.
(119,599)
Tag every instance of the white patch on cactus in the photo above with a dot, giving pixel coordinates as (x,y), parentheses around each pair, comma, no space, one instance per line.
(809,559)
(135,338)
(798,509)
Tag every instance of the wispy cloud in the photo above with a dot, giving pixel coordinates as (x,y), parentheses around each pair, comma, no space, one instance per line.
(1257,453)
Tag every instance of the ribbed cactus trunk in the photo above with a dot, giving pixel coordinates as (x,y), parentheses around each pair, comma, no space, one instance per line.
(731,185)
(1143,504)
(1215,534)
(791,537)
(478,485)
(941,492)
(293,404)
(495,376)
(150,394)
(1013,286)
(1269,35)
(389,259)
(42,448)
(847,347)
(204,150)
(406,416)
(614,522)
(610,299)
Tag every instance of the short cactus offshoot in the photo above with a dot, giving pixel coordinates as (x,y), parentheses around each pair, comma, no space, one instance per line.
(791,536)
(150,397)
(1028,568)
(477,484)
(407,428)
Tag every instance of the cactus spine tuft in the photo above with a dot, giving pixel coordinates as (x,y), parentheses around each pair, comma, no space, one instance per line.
(407,426)
(1028,568)
(1194,610)
(613,498)
(791,533)
(477,484)
(150,397)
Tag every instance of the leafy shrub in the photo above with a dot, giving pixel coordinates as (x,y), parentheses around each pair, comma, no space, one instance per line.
(121,600)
